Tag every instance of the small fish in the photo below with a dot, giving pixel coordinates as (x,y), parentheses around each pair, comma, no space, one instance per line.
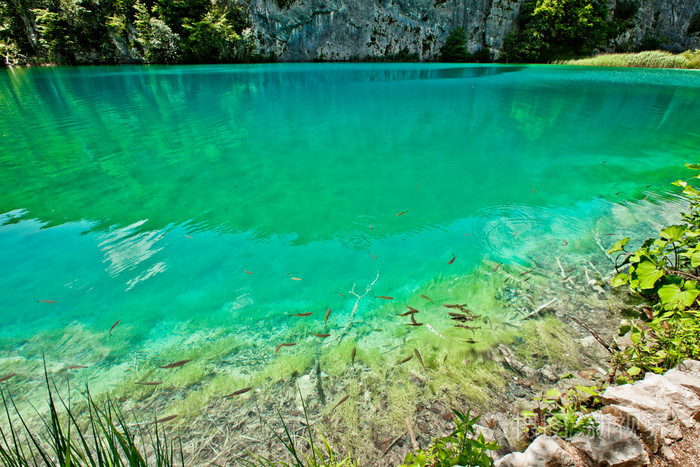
(468,328)
(46,301)
(497,266)
(401,213)
(188,236)
(426,297)
(533,191)
(515,233)
(328,314)
(247,272)
(385,297)
(405,360)
(569,270)
(617,193)
(526,272)
(411,308)
(296,278)
(352,355)
(166,419)
(177,364)
(470,341)
(8,376)
(239,392)
(149,383)
(322,336)
(286,344)
(420,359)
(301,315)
(413,321)
(527,279)
(408,313)
(467,234)
(370,227)
(75,367)
(605,162)
(506,280)
(414,324)
(372,255)
(647,186)
(113,326)
(452,260)
(340,402)
(341,294)
(564,242)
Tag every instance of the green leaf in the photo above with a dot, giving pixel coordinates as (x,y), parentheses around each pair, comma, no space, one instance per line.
(618,246)
(634,371)
(673,233)
(695,258)
(648,274)
(624,329)
(620,279)
(673,296)
(693,166)
(553,394)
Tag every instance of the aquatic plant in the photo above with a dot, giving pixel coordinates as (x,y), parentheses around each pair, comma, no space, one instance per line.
(103,439)
(461,447)
(316,456)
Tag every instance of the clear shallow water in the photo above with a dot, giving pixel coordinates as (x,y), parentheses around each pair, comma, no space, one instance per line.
(163,195)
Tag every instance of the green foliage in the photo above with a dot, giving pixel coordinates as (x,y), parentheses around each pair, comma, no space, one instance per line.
(462,447)
(105,438)
(554,29)
(455,47)
(94,31)
(562,414)
(664,272)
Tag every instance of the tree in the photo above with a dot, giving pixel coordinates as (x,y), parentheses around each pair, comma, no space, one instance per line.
(455,47)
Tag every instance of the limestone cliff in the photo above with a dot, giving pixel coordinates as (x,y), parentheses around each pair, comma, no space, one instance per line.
(305,30)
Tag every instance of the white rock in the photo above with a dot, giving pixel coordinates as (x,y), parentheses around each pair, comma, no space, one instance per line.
(685,404)
(545,451)
(615,446)
(689,381)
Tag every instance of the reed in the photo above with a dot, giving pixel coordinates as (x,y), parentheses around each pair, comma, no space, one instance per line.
(101,438)
(648,59)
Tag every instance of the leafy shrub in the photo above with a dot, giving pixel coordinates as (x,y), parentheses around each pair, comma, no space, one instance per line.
(562,414)
(664,271)
(462,447)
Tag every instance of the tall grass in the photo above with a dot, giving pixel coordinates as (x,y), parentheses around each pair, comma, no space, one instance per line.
(104,440)
(649,59)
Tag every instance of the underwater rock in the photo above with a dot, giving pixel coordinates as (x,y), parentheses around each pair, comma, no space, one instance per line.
(547,374)
(516,365)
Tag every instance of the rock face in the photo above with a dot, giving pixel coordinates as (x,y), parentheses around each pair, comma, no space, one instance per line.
(639,421)
(305,30)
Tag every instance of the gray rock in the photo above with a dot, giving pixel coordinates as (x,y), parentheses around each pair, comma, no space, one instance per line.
(652,433)
(685,403)
(515,364)
(631,395)
(615,446)
(545,451)
(345,29)
(548,375)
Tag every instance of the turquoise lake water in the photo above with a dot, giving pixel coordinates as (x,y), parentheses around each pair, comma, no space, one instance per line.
(159,196)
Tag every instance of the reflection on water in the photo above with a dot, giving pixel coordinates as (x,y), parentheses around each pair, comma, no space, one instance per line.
(203,206)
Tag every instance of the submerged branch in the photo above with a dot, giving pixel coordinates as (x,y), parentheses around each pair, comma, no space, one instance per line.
(356,306)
